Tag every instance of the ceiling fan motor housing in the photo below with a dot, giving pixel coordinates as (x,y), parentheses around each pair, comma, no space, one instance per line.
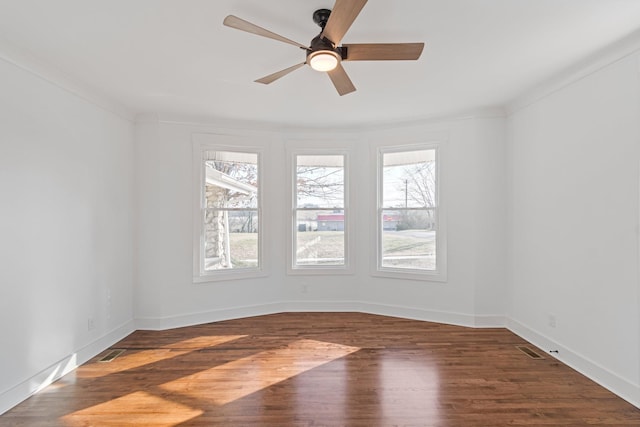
(319,43)
(322,55)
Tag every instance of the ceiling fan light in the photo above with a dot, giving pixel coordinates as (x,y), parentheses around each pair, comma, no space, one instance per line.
(323,60)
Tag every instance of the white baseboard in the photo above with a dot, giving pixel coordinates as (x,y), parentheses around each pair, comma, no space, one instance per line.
(614,383)
(37,382)
(446,317)
(459,319)
(490,321)
(190,319)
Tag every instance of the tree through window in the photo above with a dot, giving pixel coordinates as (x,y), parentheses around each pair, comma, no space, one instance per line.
(408,210)
(231,211)
(320,215)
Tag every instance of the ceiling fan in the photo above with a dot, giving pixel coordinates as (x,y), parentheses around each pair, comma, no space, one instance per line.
(325,52)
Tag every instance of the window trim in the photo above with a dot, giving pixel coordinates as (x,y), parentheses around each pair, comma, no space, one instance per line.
(348,266)
(440,273)
(231,143)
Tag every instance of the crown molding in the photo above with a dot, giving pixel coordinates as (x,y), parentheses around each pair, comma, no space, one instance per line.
(22,59)
(606,57)
(492,112)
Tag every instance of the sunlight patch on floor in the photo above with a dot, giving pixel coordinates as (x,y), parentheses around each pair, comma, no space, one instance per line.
(133,358)
(239,378)
(134,409)
(204,341)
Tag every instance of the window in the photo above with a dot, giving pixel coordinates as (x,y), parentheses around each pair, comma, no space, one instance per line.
(320,213)
(229,219)
(408,228)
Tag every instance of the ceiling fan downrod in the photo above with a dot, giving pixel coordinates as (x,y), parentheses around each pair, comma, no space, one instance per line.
(321,16)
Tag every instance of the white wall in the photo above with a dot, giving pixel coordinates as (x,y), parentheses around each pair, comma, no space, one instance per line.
(490,219)
(475,198)
(166,295)
(65,231)
(574,170)
(475,194)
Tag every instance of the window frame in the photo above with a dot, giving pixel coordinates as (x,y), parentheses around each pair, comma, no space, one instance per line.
(211,142)
(440,272)
(292,268)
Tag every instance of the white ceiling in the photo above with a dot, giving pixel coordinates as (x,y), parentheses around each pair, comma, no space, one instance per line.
(176,57)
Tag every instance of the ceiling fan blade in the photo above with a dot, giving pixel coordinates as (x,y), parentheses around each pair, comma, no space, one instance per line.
(341,80)
(240,24)
(383,51)
(275,76)
(342,16)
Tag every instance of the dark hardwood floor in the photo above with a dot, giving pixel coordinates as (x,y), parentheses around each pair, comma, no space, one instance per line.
(323,369)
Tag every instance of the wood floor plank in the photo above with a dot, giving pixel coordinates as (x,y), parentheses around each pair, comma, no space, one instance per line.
(324,369)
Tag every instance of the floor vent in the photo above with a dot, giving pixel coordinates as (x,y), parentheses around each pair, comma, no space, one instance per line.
(526,350)
(111,355)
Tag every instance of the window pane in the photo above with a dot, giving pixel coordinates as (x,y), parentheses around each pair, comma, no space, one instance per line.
(409,179)
(319,237)
(231,239)
(409,239)
(231,180)
(320,181)
(319,215)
